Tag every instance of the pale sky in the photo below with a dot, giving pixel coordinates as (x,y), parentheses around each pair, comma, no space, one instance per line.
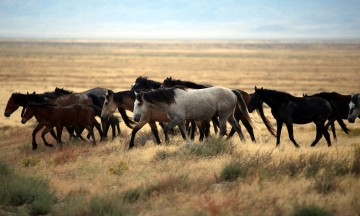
(178,19)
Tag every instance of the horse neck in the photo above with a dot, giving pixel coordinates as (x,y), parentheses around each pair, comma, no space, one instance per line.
(273,100)
(43,111)
(125,100)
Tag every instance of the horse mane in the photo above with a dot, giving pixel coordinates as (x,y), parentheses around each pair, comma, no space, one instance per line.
(119,96)
(163,95)
(28,98)
(144,82)
(62,91)
(279,95)
(173,82)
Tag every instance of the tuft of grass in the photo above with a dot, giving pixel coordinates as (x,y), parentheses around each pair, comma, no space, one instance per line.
(119,169)
(311,210)
(19,190)
(4,170)
(163,155)
(355,168)
(293,168)
(314,163)
(132,195)
(30,161)
(107,206)
(233,171)
(211,147)
(325,183)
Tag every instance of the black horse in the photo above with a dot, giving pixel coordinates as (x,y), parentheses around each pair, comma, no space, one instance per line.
(340,105)
(143,83)
(294,110)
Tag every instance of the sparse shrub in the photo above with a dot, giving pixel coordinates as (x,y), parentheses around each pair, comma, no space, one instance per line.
(314,164)
(4,170)
(132,195)
(18,190)
(355,168)
(163,155)
(233,171)
(107,206)
(210,148)
(119,169)
(325,183)
(338,168)
(311,211)
(30,162)
(293,168)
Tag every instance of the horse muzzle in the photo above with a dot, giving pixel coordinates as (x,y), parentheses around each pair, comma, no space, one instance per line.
(23,121)
(351,120)
(6,114)
(137,118)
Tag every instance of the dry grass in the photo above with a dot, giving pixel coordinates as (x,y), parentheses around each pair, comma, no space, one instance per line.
(170,179)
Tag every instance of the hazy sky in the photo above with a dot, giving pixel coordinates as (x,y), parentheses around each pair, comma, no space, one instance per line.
(178,19)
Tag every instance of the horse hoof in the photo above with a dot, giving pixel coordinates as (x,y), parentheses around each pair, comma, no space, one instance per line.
(297,146)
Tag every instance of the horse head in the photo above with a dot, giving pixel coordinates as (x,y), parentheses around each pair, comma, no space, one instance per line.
(354,107)
(109,106)
(256,99)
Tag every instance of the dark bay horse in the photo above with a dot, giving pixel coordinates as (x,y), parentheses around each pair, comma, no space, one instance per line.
(170,82)
(294,110)
(62,116)
(194,104)
(143,83)
(340,105)
(354,108)
(125,100)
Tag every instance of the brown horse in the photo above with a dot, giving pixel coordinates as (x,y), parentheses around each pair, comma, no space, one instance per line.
(126,99)
(63,116)
(16,100)
(169,82)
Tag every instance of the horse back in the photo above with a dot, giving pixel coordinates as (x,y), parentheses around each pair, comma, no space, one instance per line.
(73,98)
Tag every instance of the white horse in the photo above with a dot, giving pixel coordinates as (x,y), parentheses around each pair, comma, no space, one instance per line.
(195,104)
(354,107)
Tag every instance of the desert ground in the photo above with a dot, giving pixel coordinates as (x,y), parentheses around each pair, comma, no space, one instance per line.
(182,178)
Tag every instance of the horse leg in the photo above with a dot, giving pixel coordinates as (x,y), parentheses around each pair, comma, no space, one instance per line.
(248,127)
(71,132)
(332,124)
(118,128)
(98,127)
(193,129)
(237,127)
(326,135)
(36,129)
(59,132)
(113,131)
(137,127)
(291,133)
(215,122)
(182,129)
(173,122)
(222,125)
(105,126)
(278,133)
(319,134)
(155,132)
(45,131)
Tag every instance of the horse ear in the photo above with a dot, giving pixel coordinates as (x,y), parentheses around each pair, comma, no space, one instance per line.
(256,88)
(110,92)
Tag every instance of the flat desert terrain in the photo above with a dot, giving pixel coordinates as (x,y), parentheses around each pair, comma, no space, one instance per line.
(184,178)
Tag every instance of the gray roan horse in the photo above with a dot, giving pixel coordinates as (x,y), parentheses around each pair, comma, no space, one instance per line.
(195,104)
(354,107)
(125,100)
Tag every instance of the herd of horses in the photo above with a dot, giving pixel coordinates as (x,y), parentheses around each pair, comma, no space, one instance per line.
(185,104)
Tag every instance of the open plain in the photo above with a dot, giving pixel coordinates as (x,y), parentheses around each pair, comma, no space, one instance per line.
(185,178)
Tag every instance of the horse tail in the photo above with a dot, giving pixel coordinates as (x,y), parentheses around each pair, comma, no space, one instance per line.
(260,111)
(128,122)
(242,106)
(339,119)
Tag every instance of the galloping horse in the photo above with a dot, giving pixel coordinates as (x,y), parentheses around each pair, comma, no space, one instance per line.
(125,100)
(340,105)
(62,116)
(354,108)
(202,104)
(170,82)
(299,110)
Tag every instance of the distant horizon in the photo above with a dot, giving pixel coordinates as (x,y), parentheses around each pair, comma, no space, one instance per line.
(181,20)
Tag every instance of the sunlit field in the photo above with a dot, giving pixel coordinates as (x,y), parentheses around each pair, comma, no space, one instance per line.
(214,177)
